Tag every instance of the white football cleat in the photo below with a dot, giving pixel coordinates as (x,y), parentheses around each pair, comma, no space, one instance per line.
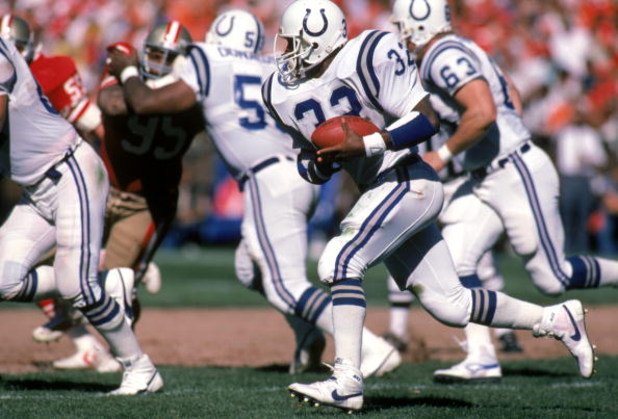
(480,366)
(344,389)
(119,285)
(152,278)
(140,377)
(308,357)
(566,323)
(379,358)
(95,357)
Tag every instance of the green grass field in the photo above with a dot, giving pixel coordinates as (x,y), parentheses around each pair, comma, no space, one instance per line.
(539,388)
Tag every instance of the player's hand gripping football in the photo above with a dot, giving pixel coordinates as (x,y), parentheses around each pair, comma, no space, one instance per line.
(351,146)
(120,56)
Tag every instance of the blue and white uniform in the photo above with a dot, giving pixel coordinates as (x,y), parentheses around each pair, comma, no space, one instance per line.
(510,175)
(393,220)
(448,65)
(277,202)
(65,188)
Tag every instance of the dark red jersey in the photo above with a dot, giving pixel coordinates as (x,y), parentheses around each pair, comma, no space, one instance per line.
(143,153)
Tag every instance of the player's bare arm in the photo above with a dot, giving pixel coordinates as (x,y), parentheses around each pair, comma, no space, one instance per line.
(173,98)
(480,112)
(111,100)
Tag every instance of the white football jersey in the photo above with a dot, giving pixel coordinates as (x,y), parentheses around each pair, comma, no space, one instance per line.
(373,76)
(228,84)
(448,65)
(35,136)
(448,119)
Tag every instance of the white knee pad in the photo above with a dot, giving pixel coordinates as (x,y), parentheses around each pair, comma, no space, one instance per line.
(12,274)
(451,309)
(327,264)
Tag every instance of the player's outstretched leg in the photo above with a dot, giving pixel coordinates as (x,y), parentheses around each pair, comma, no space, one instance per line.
(111,316)
(564,322)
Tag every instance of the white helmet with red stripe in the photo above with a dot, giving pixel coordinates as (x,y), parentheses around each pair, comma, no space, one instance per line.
(237,29)
(163,44)
(17,30)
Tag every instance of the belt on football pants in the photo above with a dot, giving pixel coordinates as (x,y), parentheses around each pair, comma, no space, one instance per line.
(52,173)
(261,166)
(396,170)
(481,173)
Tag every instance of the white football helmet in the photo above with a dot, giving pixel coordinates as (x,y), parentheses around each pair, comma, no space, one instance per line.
(17,30)
(163,44)
(312,30)
(238,30)
(420,20)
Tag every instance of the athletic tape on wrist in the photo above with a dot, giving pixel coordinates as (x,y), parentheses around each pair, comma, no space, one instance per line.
(128,72)
(445,154)
(374,144)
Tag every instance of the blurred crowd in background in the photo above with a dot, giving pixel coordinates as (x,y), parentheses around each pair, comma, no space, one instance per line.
(561,54)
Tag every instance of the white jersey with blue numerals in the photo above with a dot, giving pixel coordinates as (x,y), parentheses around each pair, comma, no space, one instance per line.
(228,84)
(372,76)
(446,67)
(35,136)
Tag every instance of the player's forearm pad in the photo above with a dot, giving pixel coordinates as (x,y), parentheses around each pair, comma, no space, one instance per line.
(410,130)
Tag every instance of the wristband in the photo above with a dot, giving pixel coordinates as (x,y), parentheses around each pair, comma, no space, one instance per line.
(445,154)
(374,144)
(128,72)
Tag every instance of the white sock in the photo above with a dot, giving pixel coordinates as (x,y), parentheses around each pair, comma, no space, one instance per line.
(349,308)
(512,313)
(477,336)
(398,322)
(609,272)
(46,283)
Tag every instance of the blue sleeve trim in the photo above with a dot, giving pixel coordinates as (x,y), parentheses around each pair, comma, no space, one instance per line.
(412,132)
(202,67)
(426,75)
(364,68)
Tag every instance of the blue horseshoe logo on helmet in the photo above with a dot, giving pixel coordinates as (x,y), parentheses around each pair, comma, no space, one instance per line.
(227,32)
(321,31)
(420,16)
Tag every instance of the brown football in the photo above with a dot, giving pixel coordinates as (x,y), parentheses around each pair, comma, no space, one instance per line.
(330,132)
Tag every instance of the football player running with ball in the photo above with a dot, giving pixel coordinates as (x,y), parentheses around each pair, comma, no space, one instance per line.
(323,75)
(225,75)
(512,177)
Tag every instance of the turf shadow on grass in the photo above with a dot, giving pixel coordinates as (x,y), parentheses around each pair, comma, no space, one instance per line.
(55,385)
(381,403)
(284,368)
(534,372)
(279,368)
